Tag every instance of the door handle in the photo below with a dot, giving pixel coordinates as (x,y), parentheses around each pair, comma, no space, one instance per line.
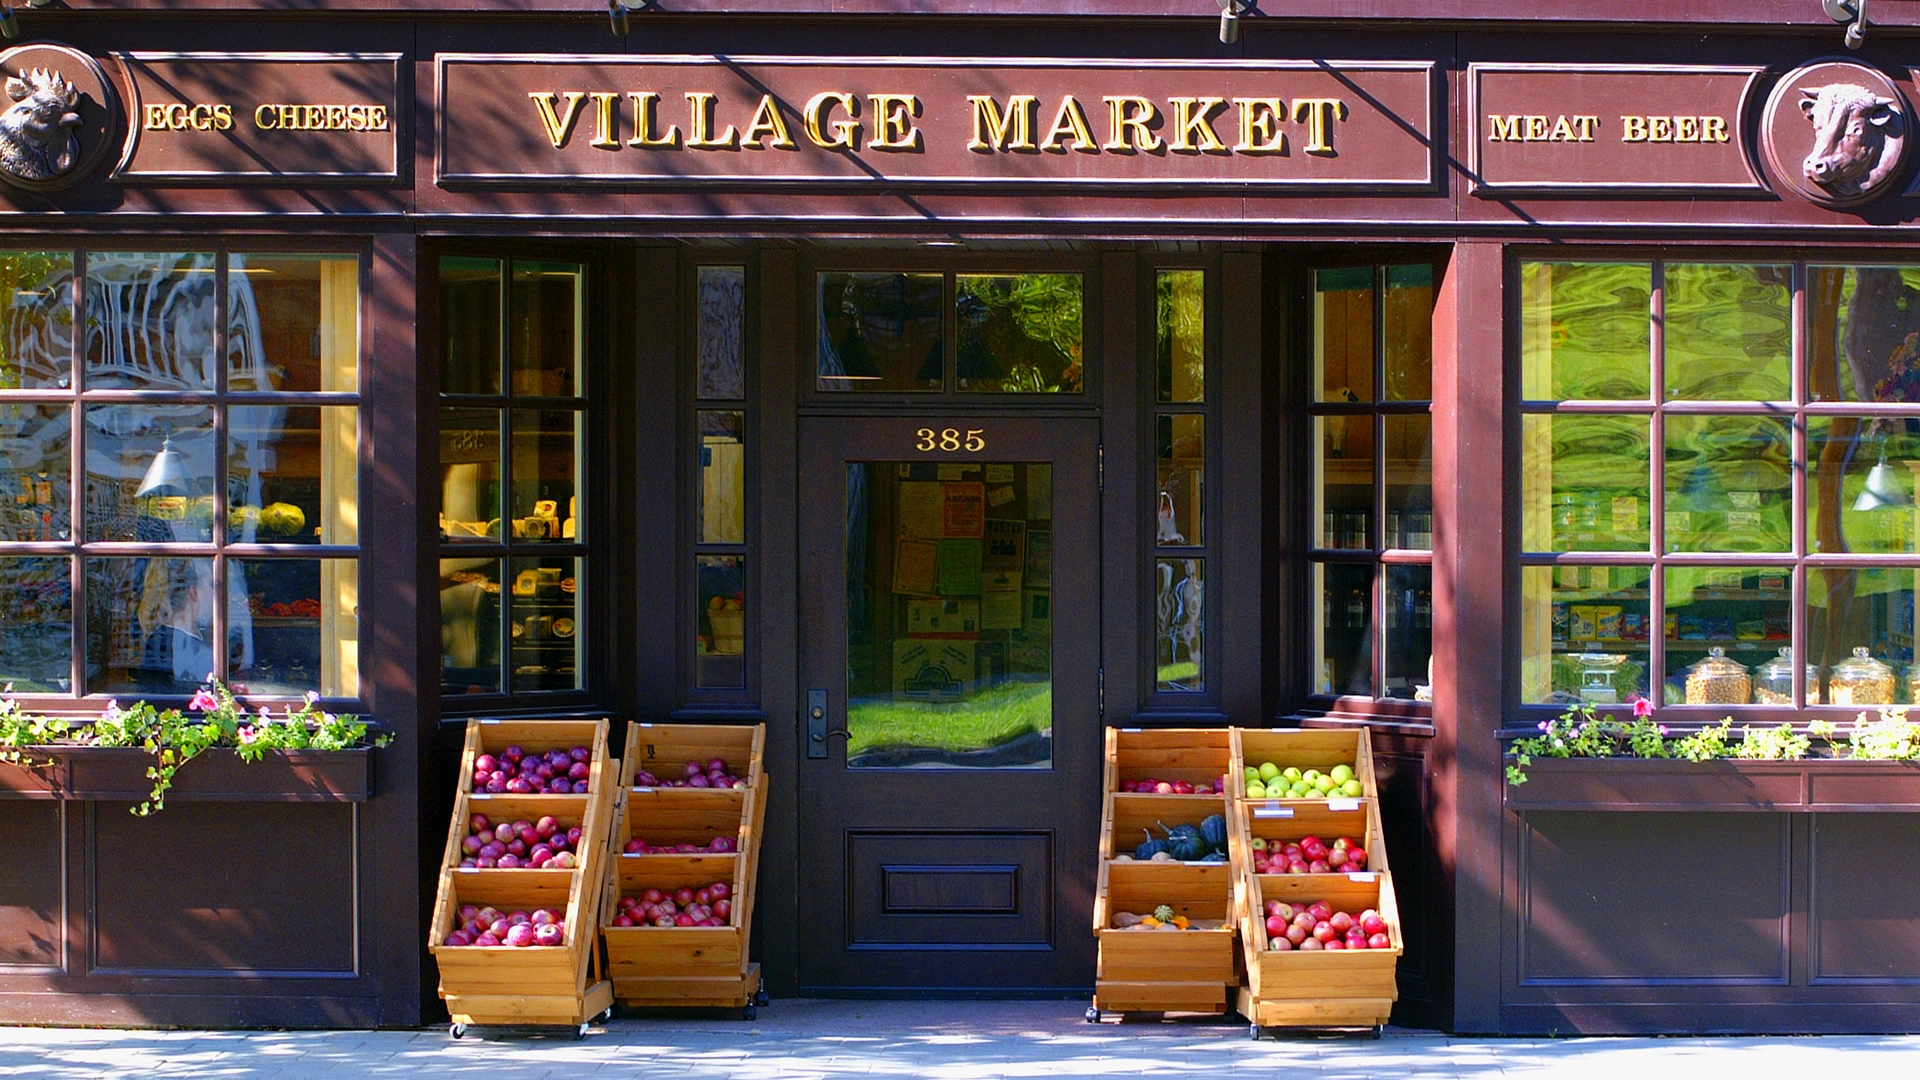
(817,733)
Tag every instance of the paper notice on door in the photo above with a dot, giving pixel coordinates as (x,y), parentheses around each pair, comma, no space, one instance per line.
(919,509)
(1001,496)
(959,567)
(1040,492)
(953,472)
(916,567)
(1006,545)
(1039,558)
(1000,611)
(963,509)
(999,474)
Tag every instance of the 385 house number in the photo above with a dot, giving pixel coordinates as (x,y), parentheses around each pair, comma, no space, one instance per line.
(972,440)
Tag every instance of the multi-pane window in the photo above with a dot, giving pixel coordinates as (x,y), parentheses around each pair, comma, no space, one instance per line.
(720,491)
(179,472)
(1718,464)
(1372,524)
(1180,469)
(1009,333)
(513,424)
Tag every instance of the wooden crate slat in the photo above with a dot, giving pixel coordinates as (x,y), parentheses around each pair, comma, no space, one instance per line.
(1160,996)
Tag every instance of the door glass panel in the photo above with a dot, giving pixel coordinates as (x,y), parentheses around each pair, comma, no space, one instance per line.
(1345,624)
(470,475)
(723,472)
(720,648)
(1408,339)
(949,615)
(1343,334)
(723,332)
(547,312)
(1018,333)
(1180,595)
(1409,649)
(546,474)
(1181,456)
(1409,481)
(881,333)
(469,325)
(545,623)
(470,610)
(1180,357)
(1345,488)
(36,324)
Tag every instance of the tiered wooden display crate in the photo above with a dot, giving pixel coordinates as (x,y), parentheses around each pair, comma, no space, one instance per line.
(1162,971)
(687,966)
(542,985)
(1343,988)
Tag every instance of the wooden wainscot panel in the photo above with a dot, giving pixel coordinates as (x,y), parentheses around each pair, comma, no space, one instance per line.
(116,773)
(1606,128)
(262,118)
(1865,899)
(856,122)
(1865,785)
(32,926)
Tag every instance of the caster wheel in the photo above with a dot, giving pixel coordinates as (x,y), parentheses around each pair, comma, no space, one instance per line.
(760,997)
(580,1033)
(605,1016)
(457,1030)
(1253,1032)
(1093,1014)
(751,1012)
(1378,1030)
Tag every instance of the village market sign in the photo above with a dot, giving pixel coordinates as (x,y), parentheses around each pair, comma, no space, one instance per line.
(856,122)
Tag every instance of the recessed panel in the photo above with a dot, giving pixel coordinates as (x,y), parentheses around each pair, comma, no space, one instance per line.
(199,887)
(30,893)
(942,890)
(1866,897)
(1653,898)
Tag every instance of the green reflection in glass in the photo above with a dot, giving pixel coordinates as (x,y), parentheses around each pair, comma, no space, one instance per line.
(1729,331)
(1586,633)
(1841,454)
(1180,335)
(1861,339)
(1746,611)
(1586,483)
(1018,333)
(1586,331)
(949,615)
(1728,481)
(36,323)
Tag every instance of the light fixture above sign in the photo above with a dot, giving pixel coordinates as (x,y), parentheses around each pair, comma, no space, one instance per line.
(1849,11)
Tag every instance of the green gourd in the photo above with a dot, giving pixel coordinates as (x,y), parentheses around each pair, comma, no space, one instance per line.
(1145,852)
(1185,843)
(1214,832)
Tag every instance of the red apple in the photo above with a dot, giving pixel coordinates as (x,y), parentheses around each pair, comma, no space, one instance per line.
(1335,943)
(1279,944)
(1372,923)
(1341,921)
(1276,926)
(1298,934)
(1323,931)
(1311,944)
(1356,858)
(1379,941)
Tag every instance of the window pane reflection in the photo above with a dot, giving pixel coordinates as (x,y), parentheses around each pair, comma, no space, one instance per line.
(1728,483)
(881,333)
(36,625)
(150,624)
(1868,609)
(35,459)
(1585,634)
(1586,483)
(149,473)
(722,340)
(1180,466)
(293,322)
(720,648)
(1344,628)
(1180,646)
(151,321)
(470,626)
(1745,612)
(298,628)
(1586,331)
(292,475)
(723,477)
(1729,331)
(1343,334)
(1345,466)
(1018,333)
(1842,453)
(36,320)
(1180,335)
(1409,481)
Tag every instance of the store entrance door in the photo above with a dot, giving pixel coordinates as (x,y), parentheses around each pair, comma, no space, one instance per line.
(949,660)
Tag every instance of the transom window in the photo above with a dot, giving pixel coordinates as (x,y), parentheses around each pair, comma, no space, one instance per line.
(927,332)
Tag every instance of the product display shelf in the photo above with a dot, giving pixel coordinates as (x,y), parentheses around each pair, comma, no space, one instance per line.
(1161,970)
(539,985)
(1300,988)
(687,966)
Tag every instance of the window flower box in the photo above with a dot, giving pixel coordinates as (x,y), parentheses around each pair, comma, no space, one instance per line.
(1808,785)
(119,774)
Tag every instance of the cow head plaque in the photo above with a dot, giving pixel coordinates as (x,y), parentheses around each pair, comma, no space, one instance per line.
(57,118)
(1835,133)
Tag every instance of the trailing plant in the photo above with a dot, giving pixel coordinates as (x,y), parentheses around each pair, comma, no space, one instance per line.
(1772,744)
(174,738)
(1583,732)
(1890,737)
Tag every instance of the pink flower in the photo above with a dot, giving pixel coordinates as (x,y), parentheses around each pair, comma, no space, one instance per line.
(312,696)
(1642,707)
(203,701)
(247,735)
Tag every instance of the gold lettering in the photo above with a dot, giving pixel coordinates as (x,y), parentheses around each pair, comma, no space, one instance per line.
(1562,130)
(1190,120)
(1659,129)
(154,118)
(1320,114)
(223,118)
(1585,125)
(1713,129)
(995,130)
(1686,129)
(263,117)
(766,122)
(1536,129)
(1633,129)
(559,125)
(1260,126)
(177,116)
(1071,122)
(1128,118)
(1503,128)
(893,121)
(700,124)
(603,136)
(316,117)
(845,134)
(336,117)
(643,106)
(290,117)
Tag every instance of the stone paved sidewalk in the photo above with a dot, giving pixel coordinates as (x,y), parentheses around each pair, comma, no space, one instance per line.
(938,1041)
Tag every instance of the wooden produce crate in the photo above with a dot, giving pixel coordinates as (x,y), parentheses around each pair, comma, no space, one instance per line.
(687,966)
(542,985)
(1162,970)
(1334,988)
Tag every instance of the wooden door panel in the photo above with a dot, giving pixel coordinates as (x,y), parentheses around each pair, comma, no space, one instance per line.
(981,890)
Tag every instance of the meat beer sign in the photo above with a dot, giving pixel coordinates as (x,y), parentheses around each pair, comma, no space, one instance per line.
(782,121)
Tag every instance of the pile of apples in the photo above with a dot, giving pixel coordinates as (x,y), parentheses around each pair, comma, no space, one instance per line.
(709,905)
(1317,926)
(719,845)
(697,774)
(1151,786)
(516,772)
(1270,781)
(519,929)
(533,845)
(1308,855)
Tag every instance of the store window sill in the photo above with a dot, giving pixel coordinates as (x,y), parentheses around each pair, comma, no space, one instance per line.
(119,774)
(1814,785)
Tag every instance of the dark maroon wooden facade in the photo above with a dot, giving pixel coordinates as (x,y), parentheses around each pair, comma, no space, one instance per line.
(1680,898)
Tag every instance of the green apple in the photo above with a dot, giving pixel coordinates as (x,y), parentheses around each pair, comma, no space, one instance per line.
(1268,770)
(1259,844)
(1256,791)
(1253,774)
(1300,790)
(1291,773)
(1310,775)
(1342,773)
(1353,789)
(1323,783)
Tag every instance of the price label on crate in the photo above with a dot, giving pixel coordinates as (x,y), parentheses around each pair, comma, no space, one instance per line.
(1271,811)
(1343,804)
(1362,876)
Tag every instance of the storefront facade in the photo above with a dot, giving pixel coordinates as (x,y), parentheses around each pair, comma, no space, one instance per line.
(939,385)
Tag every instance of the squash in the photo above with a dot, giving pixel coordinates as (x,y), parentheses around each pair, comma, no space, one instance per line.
(1149,849)
(1185,843)
(1214,832)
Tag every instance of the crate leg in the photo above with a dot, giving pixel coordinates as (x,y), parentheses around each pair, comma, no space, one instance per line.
(1093,1014)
